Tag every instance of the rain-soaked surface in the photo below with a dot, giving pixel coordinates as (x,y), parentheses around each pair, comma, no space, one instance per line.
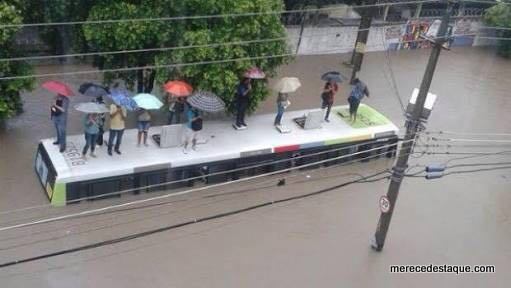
(320,241)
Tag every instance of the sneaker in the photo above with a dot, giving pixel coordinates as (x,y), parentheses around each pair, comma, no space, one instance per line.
(56,143)
(84,157)
(118,152)
(326,120)
(138,145)
(194,148)
(244,124)
(62,150)
(146,145)
(93,155)
(185,151)
(110,152)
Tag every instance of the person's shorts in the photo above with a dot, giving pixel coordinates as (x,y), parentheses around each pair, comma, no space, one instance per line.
(353,105)
(143,126)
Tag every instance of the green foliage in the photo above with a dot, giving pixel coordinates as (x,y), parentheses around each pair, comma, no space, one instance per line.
(127,36)
(500,16)
(10,100)
(222,78)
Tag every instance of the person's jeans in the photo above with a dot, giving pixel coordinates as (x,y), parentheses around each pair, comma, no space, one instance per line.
(280,112)
(115,135)
(242,108)
(328,107)
(90,141)
(60,127)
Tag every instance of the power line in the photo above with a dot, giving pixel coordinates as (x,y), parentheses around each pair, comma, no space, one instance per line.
(466,133)
(118,193)
(170,202)
(187,223)
(197,17)
(94,211)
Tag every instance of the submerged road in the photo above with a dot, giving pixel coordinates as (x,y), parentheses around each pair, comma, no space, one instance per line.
(321,241)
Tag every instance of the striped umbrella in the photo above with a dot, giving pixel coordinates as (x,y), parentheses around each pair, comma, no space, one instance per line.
(206,101)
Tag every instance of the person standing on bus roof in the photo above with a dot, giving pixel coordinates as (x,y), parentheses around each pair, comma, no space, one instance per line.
(282,104)
(91,124)
(193,127)
(242,100)
(327,97)
(143,124)
(99,140)
(118,116)
(358,92)
(59,117)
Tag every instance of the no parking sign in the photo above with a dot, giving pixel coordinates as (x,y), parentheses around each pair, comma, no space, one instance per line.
(384,204)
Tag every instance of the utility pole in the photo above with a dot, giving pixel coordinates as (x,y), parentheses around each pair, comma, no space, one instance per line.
(362,35)
(413,123)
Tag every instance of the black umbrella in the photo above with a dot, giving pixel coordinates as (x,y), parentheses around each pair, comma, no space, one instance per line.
(334,76)
(93,90)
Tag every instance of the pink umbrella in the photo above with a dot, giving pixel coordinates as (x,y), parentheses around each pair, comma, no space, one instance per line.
(58,87)
(254,73)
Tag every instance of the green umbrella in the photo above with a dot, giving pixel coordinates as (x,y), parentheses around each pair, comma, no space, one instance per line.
(147,101)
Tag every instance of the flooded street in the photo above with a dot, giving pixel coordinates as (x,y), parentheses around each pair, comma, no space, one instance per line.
(319,241)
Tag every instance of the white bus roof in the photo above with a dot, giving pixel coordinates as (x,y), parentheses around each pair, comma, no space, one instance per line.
(217,141)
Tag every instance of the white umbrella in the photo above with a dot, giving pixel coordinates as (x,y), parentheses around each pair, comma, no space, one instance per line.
(91,107)
(287,85)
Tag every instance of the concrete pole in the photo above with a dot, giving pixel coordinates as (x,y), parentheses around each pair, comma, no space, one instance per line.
(412,126)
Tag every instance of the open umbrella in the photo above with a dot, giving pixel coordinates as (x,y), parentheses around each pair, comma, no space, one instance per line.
(333,76)
(92,90)
(120,97)
(206,101)
(147,101)
(287,85)
(58,87)
(178,88)
(91,107)
(254,73)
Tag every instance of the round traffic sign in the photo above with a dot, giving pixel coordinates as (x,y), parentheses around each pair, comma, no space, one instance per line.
(384,204)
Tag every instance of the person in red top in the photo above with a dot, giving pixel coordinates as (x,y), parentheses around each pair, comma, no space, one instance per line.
(327,96)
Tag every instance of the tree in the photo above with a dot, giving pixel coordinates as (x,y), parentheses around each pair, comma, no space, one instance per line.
(500,16)
(222,78)
(129,36)
(10,100)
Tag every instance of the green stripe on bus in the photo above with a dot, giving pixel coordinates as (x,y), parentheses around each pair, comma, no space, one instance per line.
(349,139)
(59,195)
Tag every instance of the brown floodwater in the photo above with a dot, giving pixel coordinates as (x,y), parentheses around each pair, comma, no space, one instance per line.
(322,241)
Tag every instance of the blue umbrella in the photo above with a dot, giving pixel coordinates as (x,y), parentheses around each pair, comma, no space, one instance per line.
(120,97)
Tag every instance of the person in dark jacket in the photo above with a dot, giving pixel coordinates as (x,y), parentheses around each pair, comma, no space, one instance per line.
(242,101)
(327,98)
(99,137)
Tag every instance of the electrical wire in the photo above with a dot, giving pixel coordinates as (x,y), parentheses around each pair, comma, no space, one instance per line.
(215,16)
(117,193)
(186,223)
(94,211)
(463,171)
(467,133)
(321,178)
